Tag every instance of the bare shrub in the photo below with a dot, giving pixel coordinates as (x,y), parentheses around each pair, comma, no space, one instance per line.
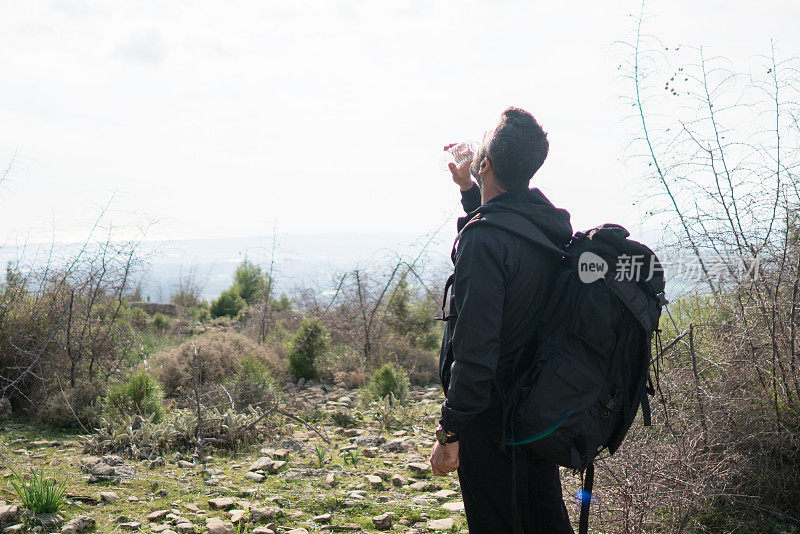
(222,354)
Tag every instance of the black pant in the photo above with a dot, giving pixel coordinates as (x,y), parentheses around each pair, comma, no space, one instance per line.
(486,475)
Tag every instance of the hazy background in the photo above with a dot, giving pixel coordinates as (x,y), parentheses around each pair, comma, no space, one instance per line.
(196,120)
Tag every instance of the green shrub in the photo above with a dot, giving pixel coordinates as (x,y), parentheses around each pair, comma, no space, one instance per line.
(201,314)
(160,322)
(39,494)
(229,303)
(309,344)
(389,382)
(74,407)
(139,318)
(138,395)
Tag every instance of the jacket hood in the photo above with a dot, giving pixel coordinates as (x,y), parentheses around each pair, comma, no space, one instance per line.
(534,206)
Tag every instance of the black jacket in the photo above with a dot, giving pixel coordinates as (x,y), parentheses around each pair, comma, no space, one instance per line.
(499,288)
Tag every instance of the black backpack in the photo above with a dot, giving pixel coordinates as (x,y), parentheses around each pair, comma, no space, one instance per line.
(578,386)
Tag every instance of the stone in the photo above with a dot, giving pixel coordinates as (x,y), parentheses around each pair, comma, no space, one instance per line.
(330,479)
(237,515)
(324,518)
(370,452)
(260,515)
(457,506)
(222,503)
(48,521)
(444,494)
(357,494)
(14,528)
(297,531)
(263,530)
(418,468)
(398,481)
(281,454)
(424,485)
(130,525)
(185,527)
(79,524)
(158,515)
(183,464)
(440,524)
(9,513)
(218,526)
(102,469)
(397,445)
(109,497)
(261,464)
(383,521)
(112,459)
(375,482)
(253,476)
(275,467)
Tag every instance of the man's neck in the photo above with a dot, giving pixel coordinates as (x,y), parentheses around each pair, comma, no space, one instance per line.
(488,192)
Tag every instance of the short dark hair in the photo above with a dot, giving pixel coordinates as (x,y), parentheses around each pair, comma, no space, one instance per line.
(517,148)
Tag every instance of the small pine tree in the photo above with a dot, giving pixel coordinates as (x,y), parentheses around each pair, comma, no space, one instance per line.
(229,303)
(139,395)
(250,281)
(309,344)
(389,382)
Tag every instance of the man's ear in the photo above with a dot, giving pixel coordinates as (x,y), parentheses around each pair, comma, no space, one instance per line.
(486,165)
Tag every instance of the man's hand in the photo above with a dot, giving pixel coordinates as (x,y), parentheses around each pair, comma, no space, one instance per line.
(444,458)
(461,175)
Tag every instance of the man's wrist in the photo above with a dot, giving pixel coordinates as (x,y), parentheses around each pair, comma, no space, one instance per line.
(444,437)
(466,186)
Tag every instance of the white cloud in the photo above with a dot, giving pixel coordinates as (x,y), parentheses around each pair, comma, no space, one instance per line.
(143,47)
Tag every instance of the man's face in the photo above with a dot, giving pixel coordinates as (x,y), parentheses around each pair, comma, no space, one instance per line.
(475,166)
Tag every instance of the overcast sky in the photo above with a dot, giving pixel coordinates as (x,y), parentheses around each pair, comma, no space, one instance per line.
(216,119)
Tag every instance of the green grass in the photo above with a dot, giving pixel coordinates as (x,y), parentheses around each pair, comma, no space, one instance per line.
(40,494)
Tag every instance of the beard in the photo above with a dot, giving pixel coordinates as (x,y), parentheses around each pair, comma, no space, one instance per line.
(475,166)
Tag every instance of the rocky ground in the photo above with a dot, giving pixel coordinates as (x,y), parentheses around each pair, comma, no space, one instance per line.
(366,479)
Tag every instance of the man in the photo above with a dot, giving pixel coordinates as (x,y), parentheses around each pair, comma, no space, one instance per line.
(499,287)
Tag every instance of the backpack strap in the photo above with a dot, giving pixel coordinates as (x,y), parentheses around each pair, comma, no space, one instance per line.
(586,499)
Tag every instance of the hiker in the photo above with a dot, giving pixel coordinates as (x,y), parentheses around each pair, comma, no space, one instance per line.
(492,304)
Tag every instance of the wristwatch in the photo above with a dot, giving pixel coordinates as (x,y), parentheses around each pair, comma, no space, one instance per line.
(444,437)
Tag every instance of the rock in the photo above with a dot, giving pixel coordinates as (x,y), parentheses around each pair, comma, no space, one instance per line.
(275,467)
(281,454)
(297,531)
(14,528)
(398,481)
(397,445)
(440,524)
(222,503)
(237,515)
(255,477)
(130,525)
(185,528)
(457,506)
(158,515)
(103,470)
(261,464)
(183,464)
(112,459)
(9,513)
(444,494)
(79,524)
(48,521)
(375,482)
(370,452)
(424,485)
(330,479)
(263,530)
(109,497)
(345,400)
(418,468)
(324,518)
(260,515)
(218,526)
(383,521)
(357,494)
